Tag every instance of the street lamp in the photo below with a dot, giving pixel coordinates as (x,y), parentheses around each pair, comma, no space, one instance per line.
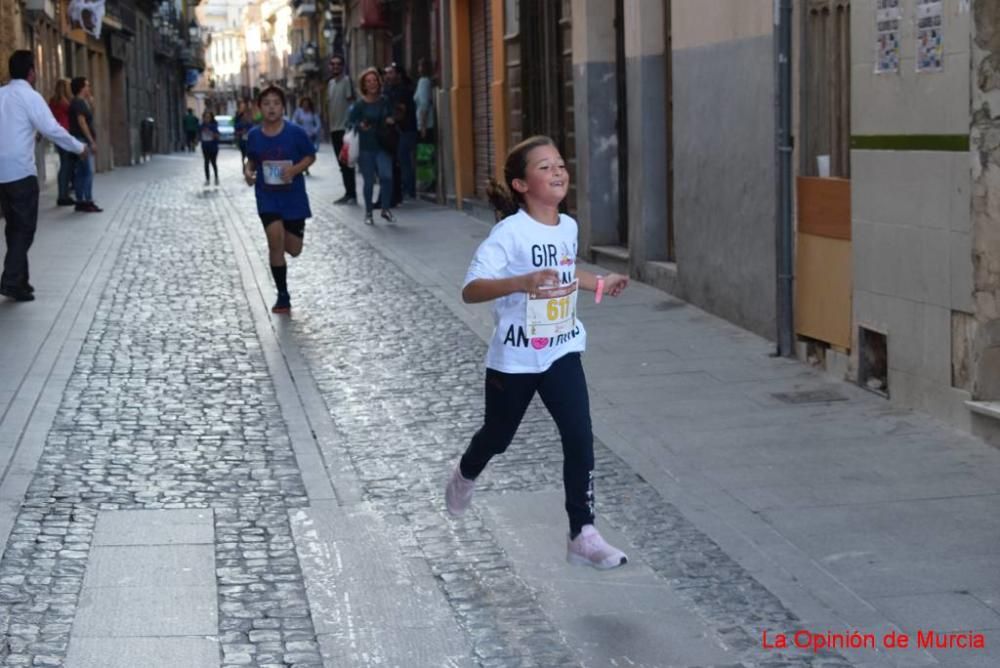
(328,32)
(193,31)
(310,51)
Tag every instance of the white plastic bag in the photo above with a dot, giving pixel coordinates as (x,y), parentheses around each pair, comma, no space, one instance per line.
(351,148)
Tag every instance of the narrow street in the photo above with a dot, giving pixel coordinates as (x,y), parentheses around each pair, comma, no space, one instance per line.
(192,481)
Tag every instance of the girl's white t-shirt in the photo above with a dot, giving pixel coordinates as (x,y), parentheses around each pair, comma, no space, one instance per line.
(519,245)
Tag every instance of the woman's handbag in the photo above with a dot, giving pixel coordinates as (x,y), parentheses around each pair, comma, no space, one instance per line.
(388,137)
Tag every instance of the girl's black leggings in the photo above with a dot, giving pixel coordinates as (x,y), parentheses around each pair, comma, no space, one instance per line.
(210,155)
(563,389)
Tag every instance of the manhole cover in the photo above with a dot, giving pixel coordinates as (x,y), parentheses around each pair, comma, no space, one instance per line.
(809,396)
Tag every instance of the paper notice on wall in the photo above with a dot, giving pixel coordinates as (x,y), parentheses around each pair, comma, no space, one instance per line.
(963,6)
(887,19)
(930,36)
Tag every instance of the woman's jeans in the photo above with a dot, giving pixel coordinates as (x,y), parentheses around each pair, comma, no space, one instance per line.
(65,177)
(210,155)
(83,178)
(370,161)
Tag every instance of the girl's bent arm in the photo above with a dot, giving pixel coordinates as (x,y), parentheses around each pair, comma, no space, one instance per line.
(488,289)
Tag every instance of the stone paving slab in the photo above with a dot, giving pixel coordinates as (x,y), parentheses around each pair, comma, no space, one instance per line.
(144,652)
(154,527)
(370,606)
(628,616)
(147,611)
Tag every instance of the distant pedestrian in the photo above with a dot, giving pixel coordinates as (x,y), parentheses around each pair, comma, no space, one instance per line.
(339,96)
(59,104)
(209,133)
(305,117)
(423,99)
(242,125)
(81,126)
(527,268)
(372,117)
(191,124)
(24,114)
(277,154)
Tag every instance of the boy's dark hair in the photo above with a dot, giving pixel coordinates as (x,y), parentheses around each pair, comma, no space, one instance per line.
(272,90)
(504,198)
(20,64)
(77,84)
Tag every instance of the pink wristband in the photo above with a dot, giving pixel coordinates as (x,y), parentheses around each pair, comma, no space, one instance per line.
(599,290)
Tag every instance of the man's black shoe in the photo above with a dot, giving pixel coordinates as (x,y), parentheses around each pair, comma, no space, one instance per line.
(88,207)
(346,199)
(66,201)
(17,294)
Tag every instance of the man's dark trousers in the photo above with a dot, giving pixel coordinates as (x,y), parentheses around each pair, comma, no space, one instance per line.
(19,202)
(350,182)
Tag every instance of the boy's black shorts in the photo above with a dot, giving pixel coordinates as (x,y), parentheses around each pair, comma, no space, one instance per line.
(296,227)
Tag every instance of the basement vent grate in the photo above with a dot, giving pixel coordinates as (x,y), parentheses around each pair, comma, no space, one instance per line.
(809,397)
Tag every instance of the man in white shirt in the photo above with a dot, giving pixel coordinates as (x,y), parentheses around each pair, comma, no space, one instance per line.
(339,96)
(24,112)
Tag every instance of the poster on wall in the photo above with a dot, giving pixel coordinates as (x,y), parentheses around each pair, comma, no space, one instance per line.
(930,37)
(887,19)
(87,15)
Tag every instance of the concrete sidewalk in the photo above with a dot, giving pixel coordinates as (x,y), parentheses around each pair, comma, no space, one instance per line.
(855,514)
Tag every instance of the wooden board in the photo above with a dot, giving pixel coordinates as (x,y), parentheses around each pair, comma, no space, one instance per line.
(823,289)
(824,207)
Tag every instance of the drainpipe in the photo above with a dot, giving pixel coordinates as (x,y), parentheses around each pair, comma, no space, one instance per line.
(785,319)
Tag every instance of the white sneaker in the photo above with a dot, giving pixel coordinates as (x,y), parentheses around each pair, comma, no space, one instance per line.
(590,549)
(458,492)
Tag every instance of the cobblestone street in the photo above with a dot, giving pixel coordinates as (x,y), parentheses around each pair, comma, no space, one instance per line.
(190,403)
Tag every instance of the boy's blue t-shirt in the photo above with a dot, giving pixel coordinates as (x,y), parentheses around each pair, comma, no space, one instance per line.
(270,154)
(209,132)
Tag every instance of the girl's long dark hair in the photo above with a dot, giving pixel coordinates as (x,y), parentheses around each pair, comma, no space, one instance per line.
(505,200)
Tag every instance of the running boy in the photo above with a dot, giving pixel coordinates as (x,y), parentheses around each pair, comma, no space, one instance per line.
(527,267)
(277,154)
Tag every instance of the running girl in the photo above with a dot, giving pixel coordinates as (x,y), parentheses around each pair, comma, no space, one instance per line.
(277,154)
(527,267)
(209,131)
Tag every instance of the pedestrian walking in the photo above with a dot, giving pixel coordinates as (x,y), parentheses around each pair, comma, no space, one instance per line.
(81,126)
(242,125)
(24,113)
(372,117)
(209,132)
(527,268)
(59,105)
(305,117)
(423,98)
(339,96)
(399,90)
(191,124)
(277,154)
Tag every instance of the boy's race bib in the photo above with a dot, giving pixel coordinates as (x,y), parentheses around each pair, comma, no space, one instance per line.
(552,312)
(272,171)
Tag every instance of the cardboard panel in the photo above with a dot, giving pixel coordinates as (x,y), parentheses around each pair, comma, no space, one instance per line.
(824,207)
(823,289)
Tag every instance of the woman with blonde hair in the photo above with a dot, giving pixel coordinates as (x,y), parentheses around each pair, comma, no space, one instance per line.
(59,104)
(371,115)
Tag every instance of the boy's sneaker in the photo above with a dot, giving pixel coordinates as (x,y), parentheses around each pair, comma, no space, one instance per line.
(283,304)
(590,549)
(458,492)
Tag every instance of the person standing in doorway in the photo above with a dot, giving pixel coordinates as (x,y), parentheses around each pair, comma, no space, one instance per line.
(209,131)
(81,126)
(191,125)
(339,96)
(59,104)
(527,268)
(277,155)
(372,117)
(24,114)
(399,90)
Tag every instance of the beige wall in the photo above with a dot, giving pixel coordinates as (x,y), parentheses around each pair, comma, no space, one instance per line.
(705,22)
(911,210)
